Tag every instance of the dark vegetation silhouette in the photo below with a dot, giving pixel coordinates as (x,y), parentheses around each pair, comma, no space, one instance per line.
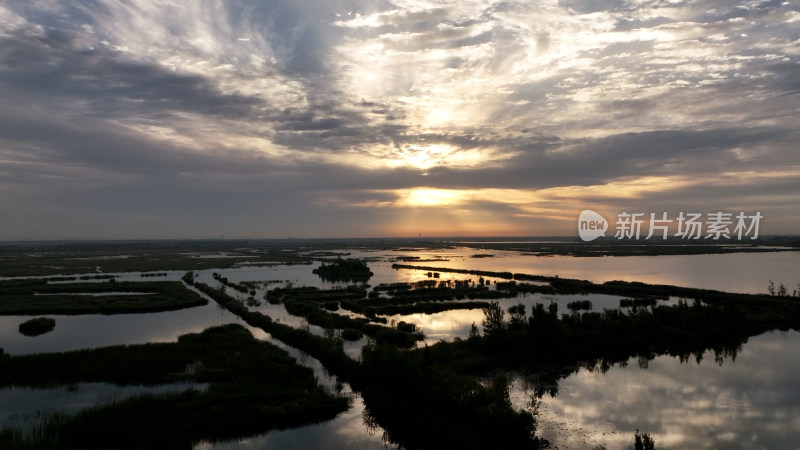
(37,296)
(634,302)
(75,259)
(388,375)
(643,441)
(782,290)
(422,397)
(431,296)
(350,269)
(37,326)
(253,387)
(224,280)
(416,393)
(314,305)
(581,304)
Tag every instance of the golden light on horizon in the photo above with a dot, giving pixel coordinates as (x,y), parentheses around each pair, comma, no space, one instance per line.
(453,221)
(431,211)
(532,200)
(432,197)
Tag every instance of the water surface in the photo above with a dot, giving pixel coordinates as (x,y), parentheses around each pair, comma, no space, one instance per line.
(750,403)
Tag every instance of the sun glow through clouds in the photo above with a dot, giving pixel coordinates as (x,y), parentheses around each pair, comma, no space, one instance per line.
(426,156)
(431,197)
(497,115)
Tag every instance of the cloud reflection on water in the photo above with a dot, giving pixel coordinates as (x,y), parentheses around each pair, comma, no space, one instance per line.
(752,402)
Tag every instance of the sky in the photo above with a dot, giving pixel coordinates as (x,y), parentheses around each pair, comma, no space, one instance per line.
(144,119)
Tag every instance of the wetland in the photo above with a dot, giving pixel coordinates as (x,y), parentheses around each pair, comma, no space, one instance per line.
(373,343)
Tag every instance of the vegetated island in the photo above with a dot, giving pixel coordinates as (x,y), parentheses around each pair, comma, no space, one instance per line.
(350,269)
(38,296)
(416,393)
(37,326)
(252,387)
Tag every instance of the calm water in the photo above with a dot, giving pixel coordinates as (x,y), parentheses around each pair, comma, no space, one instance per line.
(345,432)
(450,324)
(26,407)
(731,272)
(747,402)
(96,330)
(750,403)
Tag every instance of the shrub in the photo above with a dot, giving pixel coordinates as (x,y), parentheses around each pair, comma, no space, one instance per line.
(37,326)
(351,334)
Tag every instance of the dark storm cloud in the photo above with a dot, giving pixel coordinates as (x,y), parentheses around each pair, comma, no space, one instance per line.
(595,162)
(327,128)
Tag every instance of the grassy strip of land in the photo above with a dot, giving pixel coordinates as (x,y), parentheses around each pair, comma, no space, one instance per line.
(615,247)
(313,293)
(310,302)
(432,296)
(484,273)
(19,297)
(632,289)
(224,353)
(253,387)
(431,290)
(330,352)
(413,405)
(39,260)
(239,287)
(426,296)
(414,308)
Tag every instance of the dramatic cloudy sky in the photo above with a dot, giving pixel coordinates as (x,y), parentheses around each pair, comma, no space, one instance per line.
(261,118)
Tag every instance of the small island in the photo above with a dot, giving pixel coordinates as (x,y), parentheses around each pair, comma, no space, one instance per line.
(350,269)
(37,326)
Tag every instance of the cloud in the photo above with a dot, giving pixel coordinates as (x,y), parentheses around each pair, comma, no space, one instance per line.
(309,103)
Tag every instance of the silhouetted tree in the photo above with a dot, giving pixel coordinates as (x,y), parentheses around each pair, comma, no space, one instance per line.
(517,315)
(643,441)
(493,319)
(473,332)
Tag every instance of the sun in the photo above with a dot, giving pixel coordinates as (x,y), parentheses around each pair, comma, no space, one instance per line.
(428,197)
(438,118)
(434,197)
